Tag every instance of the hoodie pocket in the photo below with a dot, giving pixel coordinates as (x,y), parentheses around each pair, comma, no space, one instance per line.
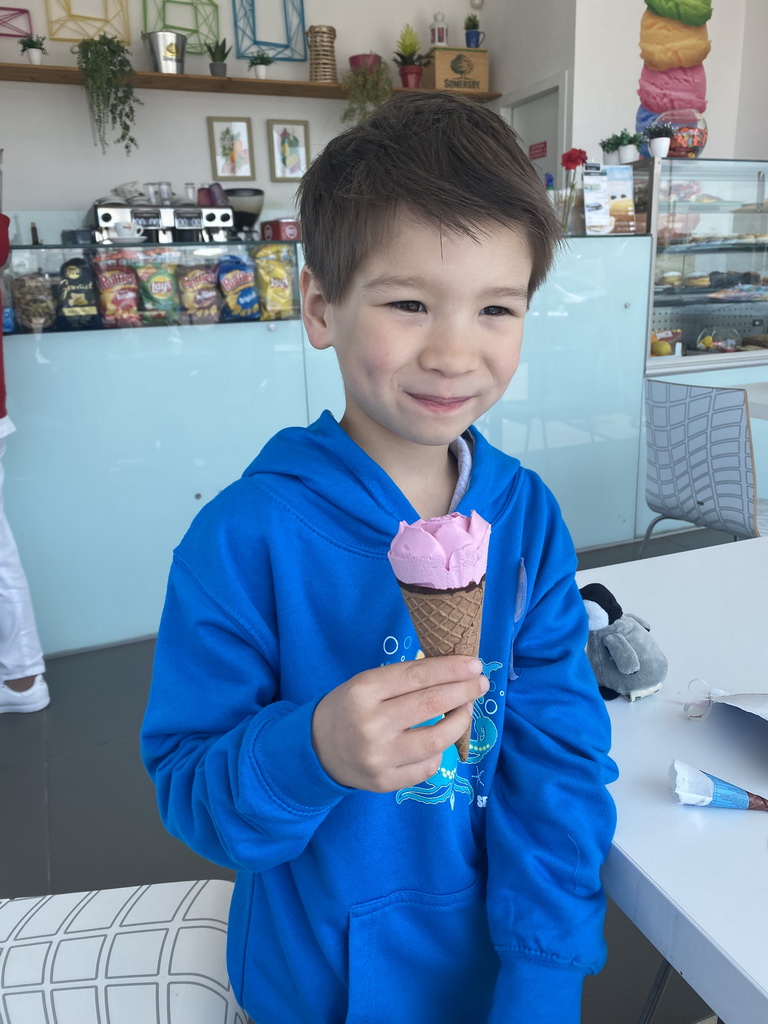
(416,958)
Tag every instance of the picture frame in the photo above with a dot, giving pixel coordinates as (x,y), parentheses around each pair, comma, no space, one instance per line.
(231,145)
(288,149)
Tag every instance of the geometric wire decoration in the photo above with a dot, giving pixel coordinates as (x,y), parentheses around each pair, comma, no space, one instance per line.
(15,22)
(247,41)
(68,25)
(198,20)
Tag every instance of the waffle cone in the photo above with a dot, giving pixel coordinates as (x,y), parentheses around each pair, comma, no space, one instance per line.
(447,622)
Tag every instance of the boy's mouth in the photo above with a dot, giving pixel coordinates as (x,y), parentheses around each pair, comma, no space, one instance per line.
(437,403)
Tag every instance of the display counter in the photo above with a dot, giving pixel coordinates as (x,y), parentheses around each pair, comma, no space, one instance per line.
(709,280)
(123,433)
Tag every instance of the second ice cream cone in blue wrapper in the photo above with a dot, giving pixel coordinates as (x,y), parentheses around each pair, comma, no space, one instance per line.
(692,786)
(440,565)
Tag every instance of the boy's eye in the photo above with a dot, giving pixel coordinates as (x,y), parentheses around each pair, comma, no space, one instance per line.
(408,306)
(497,311)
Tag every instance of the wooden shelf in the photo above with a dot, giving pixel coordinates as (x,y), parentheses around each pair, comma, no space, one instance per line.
(46,75)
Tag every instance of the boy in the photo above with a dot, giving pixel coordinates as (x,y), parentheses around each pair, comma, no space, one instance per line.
(378,879)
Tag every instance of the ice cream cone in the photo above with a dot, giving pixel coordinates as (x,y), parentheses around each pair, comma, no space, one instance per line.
(447,622)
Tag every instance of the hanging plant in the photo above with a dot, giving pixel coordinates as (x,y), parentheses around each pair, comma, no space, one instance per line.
(105,65)
(366,88)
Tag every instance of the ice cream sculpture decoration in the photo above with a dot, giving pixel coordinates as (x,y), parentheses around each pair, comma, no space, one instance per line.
(440,564)
(692,786)
(674,43)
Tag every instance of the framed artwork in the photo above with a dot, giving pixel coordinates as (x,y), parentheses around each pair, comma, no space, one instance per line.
(288,149)
(231,145)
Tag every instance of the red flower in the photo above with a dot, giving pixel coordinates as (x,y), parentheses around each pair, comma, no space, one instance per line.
(573,158)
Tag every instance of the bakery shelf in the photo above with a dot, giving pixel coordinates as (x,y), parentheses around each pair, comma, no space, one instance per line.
(724,246)
(47,75)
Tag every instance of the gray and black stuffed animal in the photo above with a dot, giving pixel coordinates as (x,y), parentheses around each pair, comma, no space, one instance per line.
(625,658)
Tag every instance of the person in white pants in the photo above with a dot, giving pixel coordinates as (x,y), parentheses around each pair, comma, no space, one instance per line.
(23,687)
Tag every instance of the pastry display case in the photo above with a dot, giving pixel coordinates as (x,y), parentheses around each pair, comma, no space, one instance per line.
(709,281)
(62,288)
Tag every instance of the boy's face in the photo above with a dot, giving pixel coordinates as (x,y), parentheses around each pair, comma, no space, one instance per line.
(429,334)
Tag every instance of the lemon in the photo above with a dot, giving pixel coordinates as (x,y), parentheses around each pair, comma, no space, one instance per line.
(661,348)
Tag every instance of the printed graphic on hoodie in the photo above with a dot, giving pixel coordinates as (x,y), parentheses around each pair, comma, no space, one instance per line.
(452,776)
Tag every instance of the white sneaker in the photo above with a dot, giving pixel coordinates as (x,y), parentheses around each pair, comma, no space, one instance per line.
(34,699)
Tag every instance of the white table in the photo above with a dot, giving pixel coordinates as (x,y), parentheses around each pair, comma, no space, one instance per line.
(695,880)
(758,399)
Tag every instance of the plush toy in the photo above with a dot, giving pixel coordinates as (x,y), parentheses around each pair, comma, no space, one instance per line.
(625,658)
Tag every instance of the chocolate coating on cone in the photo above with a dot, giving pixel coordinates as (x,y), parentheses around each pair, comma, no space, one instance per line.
(447,622)
(757,803)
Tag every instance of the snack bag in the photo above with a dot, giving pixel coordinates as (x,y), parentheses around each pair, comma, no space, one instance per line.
(158,294)
(33,301)
(76,298)
(200,296)
(118,289)
(274,273)
(238,286)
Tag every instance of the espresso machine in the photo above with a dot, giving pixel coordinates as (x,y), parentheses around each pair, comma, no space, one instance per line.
(117,222)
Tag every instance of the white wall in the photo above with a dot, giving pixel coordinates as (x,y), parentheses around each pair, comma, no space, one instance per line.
(752,124)
(50,161)
(607,68)
(529,41)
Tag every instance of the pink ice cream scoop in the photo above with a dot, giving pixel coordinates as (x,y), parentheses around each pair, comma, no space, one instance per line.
(673,89)
(440,565)
(443,553)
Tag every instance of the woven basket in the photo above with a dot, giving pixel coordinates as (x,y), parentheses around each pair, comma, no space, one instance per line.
(322,55)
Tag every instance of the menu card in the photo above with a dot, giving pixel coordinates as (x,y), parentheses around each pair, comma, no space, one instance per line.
(609,206)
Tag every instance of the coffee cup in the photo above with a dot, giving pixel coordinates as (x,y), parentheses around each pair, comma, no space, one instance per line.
(124,230)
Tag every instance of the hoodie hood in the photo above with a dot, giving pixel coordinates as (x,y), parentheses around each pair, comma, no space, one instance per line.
(321,471)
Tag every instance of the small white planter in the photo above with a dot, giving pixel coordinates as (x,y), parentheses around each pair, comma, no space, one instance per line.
(35,56)
(659,147)
(611,159)
(260,70)
(628,154)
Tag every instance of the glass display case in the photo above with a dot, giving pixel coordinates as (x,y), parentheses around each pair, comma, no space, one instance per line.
(63,288)
(709,282)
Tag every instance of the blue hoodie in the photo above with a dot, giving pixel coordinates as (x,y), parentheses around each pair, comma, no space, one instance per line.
(472,897)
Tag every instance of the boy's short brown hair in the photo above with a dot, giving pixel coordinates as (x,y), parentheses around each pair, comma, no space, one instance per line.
(440,158)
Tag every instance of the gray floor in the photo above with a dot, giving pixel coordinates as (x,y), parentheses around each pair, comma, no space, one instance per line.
(79,812)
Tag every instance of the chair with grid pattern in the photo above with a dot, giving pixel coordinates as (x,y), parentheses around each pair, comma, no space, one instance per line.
(700,465)
(145,954)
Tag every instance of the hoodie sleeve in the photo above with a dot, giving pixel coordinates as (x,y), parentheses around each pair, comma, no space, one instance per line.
(236,775)
(550,817)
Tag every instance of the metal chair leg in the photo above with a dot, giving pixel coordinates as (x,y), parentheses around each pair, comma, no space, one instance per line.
(648,532)
(657,990)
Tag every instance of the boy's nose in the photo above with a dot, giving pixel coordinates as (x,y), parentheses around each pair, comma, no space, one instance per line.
(450,351)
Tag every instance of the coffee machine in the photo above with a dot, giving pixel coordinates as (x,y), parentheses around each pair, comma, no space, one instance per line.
(161,225)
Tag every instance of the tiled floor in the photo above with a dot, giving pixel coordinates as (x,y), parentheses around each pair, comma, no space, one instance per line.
(78,810)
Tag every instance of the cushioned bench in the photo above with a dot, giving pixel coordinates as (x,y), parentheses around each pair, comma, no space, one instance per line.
(149,954)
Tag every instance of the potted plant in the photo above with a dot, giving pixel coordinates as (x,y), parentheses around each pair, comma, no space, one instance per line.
(105,65)
(610,148)
(473,37)
(260,61)
(628,146)
(34,48)
(366,88)
(410,62)
(659,136)
(218,52)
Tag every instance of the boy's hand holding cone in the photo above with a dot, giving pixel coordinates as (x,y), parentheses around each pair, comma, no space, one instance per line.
(440,565)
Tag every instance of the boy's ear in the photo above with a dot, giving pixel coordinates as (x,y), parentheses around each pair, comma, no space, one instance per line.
(314,311)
